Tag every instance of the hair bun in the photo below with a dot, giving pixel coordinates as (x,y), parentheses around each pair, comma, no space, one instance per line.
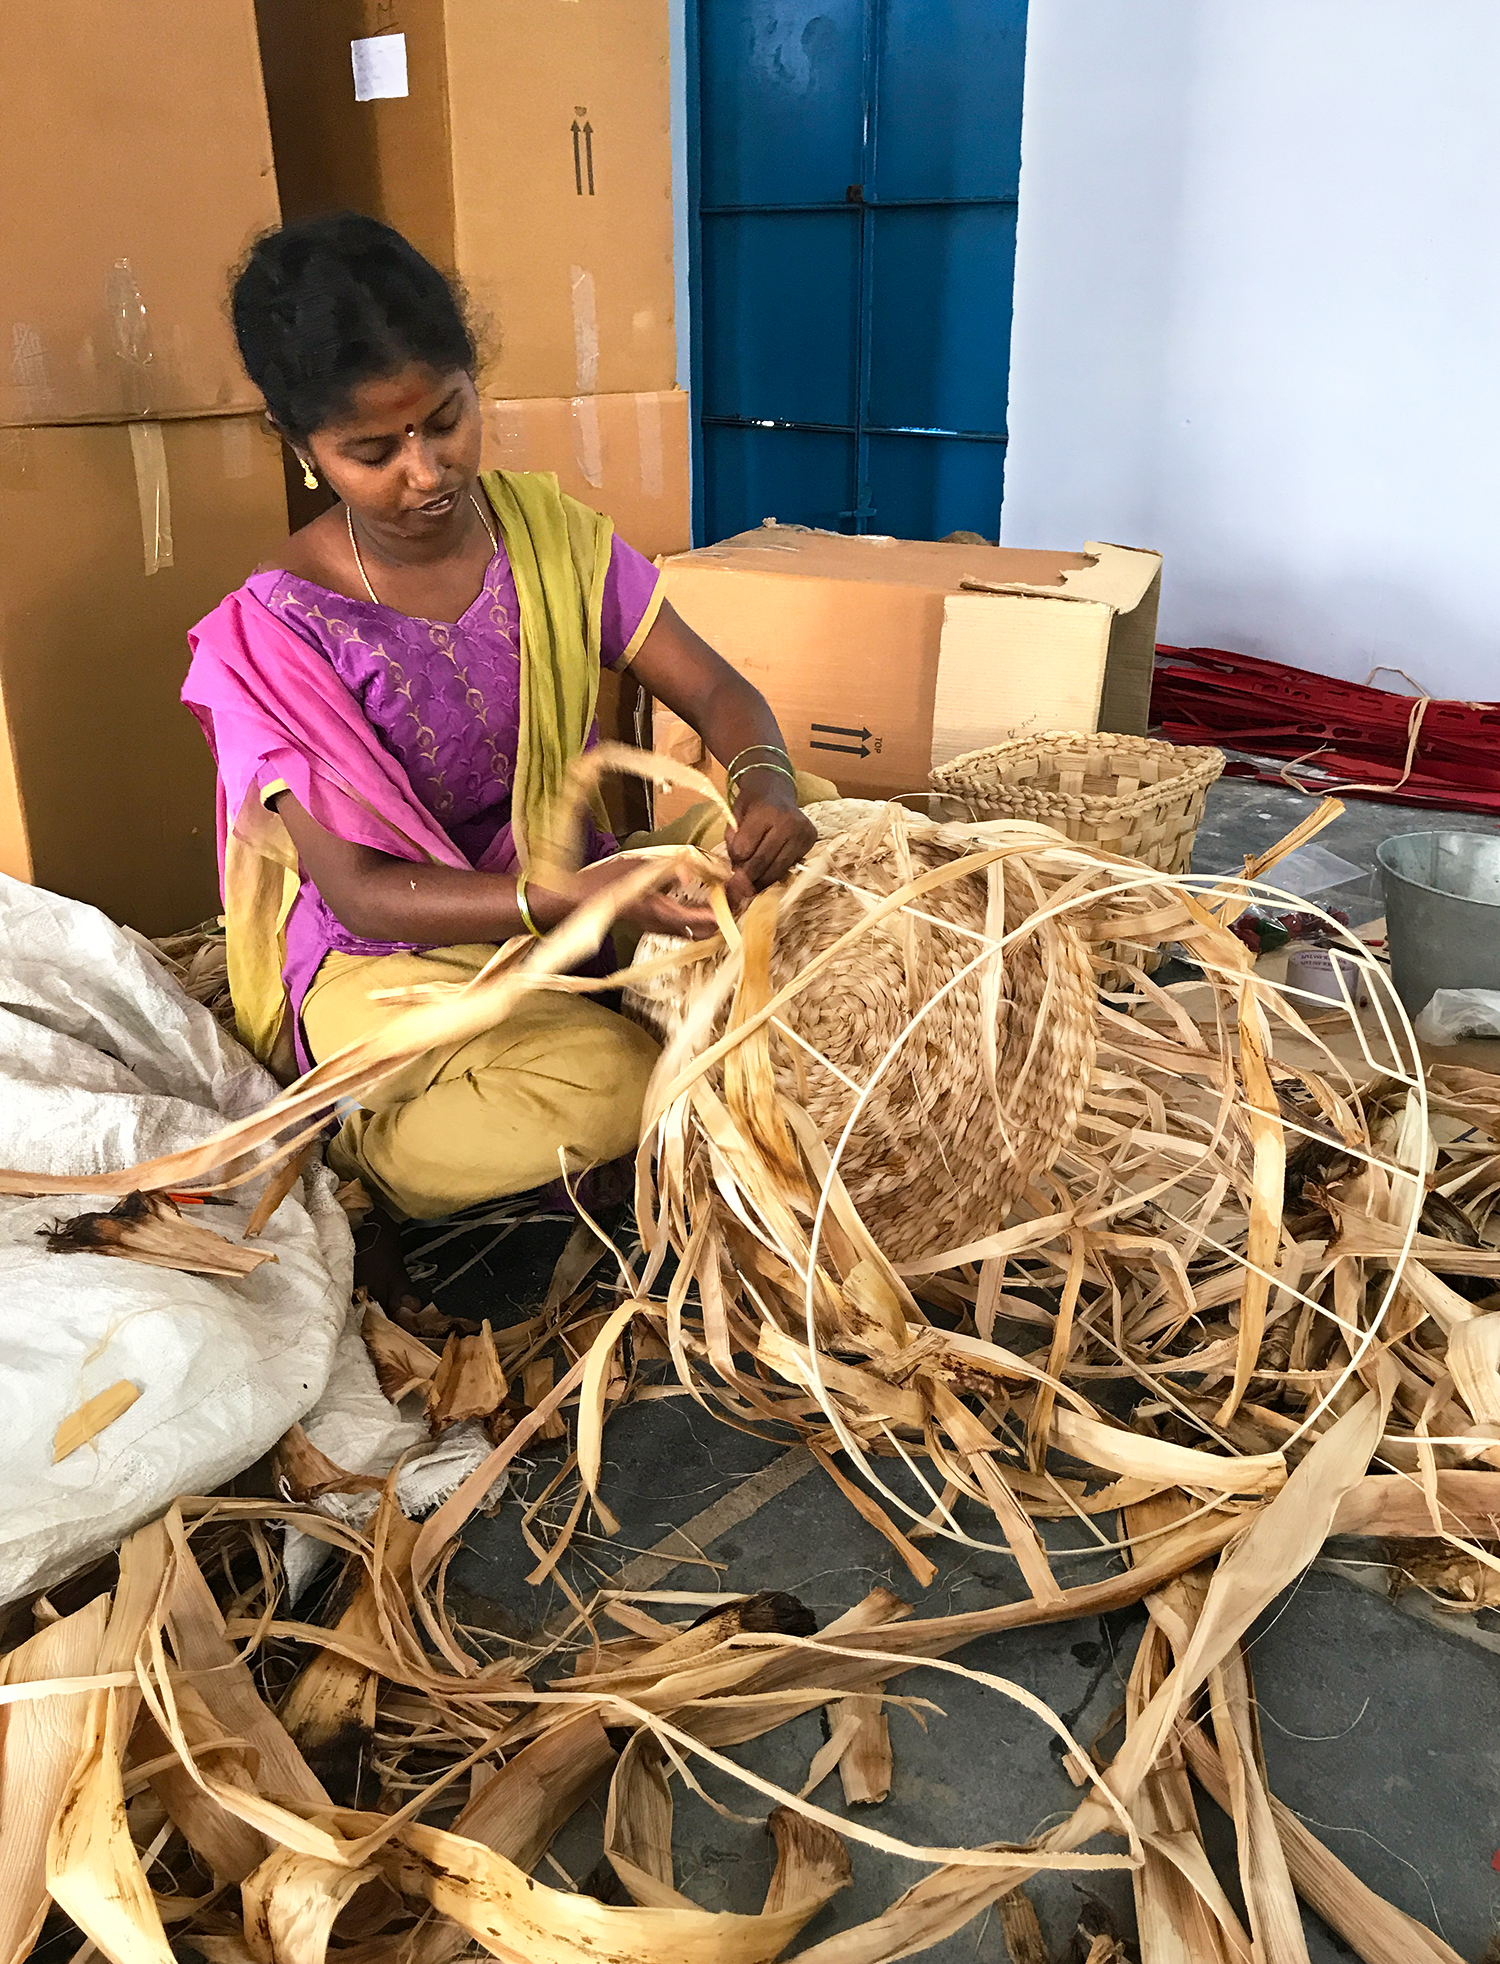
(323,304)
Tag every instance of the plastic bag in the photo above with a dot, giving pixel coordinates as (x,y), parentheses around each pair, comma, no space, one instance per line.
(1456,1013)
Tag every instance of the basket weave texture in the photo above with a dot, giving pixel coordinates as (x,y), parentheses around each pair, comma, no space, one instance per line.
(1130,795)
(985,1089)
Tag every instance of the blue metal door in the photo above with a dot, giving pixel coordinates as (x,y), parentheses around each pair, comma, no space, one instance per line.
(853,173)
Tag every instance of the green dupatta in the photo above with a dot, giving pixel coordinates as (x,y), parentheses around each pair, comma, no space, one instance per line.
(559,555)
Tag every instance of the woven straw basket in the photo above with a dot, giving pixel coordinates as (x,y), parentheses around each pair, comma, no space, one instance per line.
(1130,795)
(983,1092)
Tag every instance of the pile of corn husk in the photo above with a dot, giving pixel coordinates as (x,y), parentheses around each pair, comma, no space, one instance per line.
(160,1778)
(1241,1301)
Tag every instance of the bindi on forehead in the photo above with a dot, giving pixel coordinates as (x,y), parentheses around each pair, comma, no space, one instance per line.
(390,404)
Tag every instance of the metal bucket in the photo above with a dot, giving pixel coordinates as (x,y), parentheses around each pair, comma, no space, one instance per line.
(1442,912)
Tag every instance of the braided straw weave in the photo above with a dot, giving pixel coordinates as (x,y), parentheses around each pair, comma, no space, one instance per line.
(1130,795)
(984,1090)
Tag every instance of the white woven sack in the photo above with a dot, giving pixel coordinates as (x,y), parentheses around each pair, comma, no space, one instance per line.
(105,1062)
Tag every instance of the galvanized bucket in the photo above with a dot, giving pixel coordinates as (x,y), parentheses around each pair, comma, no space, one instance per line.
(1442,912)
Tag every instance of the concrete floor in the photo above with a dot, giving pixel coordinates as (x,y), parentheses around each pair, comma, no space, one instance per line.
(1243,816)
(1382,1729)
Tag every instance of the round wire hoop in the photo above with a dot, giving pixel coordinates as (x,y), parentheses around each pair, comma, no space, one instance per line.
(1377,980)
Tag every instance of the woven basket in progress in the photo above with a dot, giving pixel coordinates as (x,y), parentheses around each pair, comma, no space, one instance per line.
(1130,795)
(986,1077)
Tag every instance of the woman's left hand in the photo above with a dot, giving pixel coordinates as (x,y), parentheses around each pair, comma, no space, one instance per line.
(770,835)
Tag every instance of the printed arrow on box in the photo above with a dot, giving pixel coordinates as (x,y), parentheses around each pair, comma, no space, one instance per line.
(843,749)
(583,151)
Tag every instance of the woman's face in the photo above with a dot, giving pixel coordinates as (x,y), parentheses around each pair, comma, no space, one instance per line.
(406,452)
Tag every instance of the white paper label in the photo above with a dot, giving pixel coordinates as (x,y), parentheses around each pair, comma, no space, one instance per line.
(379,66)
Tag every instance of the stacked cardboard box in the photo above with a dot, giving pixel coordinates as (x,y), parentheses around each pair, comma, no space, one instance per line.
(524,146)
(137,484)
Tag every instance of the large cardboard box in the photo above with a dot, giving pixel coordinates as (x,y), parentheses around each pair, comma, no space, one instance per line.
(136,159)
(883,657)
(106,784)
(523,144)
(624,455)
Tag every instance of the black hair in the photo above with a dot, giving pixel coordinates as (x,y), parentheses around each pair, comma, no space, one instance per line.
(326,303)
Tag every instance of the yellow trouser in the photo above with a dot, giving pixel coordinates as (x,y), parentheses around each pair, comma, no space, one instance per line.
(489,1116)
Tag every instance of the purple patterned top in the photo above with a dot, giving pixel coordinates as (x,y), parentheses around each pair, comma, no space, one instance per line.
(445,699)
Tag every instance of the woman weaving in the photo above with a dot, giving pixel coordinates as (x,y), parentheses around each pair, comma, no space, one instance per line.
(392,702)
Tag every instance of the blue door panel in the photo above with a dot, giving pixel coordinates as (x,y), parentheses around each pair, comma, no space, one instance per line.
(927,487)
(950,96)
(940,318)
(790,354)
(780,91)
(792,475)
(853,170)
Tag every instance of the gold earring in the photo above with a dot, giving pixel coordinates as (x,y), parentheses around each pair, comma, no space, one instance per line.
(308,477)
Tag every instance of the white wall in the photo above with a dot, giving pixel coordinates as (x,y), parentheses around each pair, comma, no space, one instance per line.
(1257,320)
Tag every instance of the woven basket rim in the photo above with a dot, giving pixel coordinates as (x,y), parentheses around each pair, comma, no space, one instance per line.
(1204,765)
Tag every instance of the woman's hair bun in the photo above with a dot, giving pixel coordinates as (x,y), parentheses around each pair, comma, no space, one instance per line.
(326,303)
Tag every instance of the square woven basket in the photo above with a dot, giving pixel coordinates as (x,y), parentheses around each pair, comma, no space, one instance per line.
(1130,795)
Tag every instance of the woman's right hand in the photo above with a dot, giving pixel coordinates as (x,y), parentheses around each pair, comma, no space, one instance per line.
(649,913)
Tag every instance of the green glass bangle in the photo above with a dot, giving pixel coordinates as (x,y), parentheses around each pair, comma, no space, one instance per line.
(775,750)
(732,783)
(525,910)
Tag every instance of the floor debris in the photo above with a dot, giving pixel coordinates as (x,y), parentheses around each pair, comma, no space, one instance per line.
(1244,1296)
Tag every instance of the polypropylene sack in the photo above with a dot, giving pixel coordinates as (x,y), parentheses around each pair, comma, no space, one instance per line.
(105,1062)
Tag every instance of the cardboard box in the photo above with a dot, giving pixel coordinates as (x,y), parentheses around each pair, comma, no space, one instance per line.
(624,455)
(884,657)
(136,158)
(523,144)
(106,784)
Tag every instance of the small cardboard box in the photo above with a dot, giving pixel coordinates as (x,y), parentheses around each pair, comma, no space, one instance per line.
(106,784)
(624,455)
(522,144)
(884,657)
(136,159)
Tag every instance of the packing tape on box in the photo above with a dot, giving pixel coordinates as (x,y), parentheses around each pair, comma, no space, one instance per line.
(505,437)
(153,490)
(588,440)
(649,438)
(135,346)
(585,331)
(237,447)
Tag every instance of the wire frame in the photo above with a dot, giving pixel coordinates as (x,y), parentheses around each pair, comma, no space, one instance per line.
(1152,1207)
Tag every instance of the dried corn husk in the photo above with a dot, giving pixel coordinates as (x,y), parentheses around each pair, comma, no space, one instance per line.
(39,1747)
(146,1227)
(468,1383)
(1374,1929)
(302,1471)
(91,1419)
(403,1363)
(1138,1231)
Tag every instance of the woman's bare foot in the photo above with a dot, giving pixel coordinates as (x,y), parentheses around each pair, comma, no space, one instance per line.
(380,1267)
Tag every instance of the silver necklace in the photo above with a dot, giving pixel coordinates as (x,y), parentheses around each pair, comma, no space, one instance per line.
(354,543)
